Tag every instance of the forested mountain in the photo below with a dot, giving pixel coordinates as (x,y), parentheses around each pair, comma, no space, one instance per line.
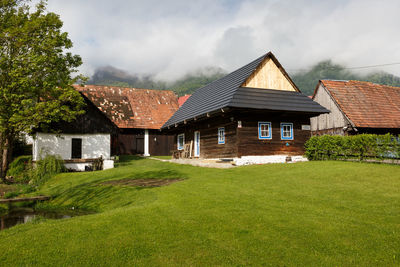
(186,85)
(305,80)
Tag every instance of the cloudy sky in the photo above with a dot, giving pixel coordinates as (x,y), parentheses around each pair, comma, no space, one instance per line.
(172,37)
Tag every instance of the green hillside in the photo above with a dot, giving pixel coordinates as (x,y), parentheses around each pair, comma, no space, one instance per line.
(305,80)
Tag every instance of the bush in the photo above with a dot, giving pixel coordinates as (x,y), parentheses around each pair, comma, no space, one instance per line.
(20,169)
(46,168)
(357,146)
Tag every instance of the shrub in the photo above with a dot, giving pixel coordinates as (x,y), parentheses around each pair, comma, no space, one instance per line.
(357,146)
(46,168)
(20,169)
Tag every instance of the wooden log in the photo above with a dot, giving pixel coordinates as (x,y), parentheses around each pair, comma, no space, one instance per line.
(38,198)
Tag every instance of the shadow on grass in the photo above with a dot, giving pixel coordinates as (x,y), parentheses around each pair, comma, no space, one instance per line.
(127,160)
(96,196)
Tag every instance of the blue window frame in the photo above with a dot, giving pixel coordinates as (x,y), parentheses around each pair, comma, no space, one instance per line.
(287,131)
(221,135)
(181,141)
(264,130)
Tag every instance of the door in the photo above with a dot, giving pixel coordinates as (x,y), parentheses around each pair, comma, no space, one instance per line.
(197,144)
(139,145)
(76,152)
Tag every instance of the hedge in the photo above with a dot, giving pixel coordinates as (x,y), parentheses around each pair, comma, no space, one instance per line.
(360,146)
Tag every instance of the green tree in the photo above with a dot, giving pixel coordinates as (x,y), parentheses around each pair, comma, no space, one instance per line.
(36,73)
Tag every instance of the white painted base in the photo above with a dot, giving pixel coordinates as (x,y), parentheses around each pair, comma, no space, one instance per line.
(80,167)
(249,160)
(108,164)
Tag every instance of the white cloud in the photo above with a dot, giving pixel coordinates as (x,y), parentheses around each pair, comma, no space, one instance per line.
(170,38)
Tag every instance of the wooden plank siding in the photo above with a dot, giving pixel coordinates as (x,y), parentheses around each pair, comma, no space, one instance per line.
(209,147)
(131,142)
(250,145)
(160,144)
(331,123)
(269,76)
(244,141)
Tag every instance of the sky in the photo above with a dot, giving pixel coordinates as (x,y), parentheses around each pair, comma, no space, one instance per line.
(173,37)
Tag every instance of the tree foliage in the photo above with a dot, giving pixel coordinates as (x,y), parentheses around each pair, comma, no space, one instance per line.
(36,72)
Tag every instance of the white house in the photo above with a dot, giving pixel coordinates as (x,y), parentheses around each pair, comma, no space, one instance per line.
(78,143)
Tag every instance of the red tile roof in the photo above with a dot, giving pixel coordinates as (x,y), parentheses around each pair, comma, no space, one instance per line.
(367,104)
(183,99)
(131,107)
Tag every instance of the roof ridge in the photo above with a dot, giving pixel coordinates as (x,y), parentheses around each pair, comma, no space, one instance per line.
(358,81)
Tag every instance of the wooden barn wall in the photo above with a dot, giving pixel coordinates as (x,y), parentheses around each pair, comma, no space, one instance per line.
(333,120)
(394,131)
(209,147)
(160,144)
(332,131)
(250,145)
(91,122)
(130,141)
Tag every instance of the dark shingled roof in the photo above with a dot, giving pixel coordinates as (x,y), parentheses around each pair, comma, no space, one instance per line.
(227,92)
(271,99)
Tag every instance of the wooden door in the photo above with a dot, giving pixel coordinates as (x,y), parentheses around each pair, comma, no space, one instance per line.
(139,145)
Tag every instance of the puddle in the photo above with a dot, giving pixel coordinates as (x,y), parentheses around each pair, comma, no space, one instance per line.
(24,215)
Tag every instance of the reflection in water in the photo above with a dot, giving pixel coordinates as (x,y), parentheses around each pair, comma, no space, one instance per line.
(24,215)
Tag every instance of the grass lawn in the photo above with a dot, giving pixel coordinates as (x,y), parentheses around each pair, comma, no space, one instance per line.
(162,157)
(303,214)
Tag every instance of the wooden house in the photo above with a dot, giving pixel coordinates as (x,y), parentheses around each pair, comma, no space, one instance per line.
(255,110)
(356,107)
(78,143)
(138,114)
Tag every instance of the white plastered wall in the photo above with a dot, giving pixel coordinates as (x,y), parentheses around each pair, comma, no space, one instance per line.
(93,145)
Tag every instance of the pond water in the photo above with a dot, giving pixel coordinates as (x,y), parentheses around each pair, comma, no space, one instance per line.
(23,215)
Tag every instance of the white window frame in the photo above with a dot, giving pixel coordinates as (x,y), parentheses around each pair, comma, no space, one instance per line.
(183,141)
(264,137)
(221,135)
(283,131)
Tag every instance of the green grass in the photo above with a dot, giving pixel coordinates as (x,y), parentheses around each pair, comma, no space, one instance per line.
(162,157)
(303,214)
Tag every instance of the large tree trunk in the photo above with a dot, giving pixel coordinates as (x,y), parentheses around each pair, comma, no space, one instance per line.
(6,157)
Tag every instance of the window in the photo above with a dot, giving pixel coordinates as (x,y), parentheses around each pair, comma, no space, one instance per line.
(76,152)
(264,130)
(181,141)
(221,135)
(287,131)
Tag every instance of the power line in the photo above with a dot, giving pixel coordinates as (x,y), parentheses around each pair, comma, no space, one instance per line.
(351,68)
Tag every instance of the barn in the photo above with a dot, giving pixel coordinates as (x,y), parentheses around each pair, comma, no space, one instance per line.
(256,110)
(356,107)
(78,143)
(138,114)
